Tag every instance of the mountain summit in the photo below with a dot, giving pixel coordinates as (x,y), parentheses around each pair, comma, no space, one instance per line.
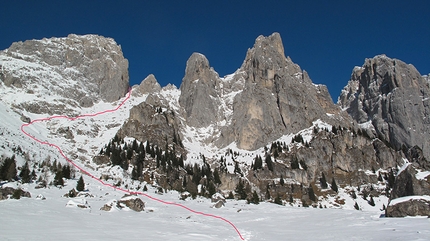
(392,97)
(267,97)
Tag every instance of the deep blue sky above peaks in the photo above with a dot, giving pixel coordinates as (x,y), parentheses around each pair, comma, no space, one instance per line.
(326,38)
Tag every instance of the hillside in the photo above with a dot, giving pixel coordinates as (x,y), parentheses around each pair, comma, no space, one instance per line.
(264,135)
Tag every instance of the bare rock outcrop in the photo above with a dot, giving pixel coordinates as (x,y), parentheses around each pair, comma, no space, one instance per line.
(407,183)
(413,206)
(394,97)
(267,97)
(85,69)
(134,203)
(149,85)
(199,92)
(152,121)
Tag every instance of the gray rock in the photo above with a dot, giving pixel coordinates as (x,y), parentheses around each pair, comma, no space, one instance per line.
(269,96)
(407,184)
(135,204)
(93,65)
(199,92)
(106,208)
(6,191)
(412,207)
(152,121)
(394,97)
(148,85)
(278,97)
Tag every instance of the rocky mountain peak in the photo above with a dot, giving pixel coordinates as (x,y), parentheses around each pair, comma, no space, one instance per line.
(394,98)
(278,96)
(199,95)
(85,68)
(149,85)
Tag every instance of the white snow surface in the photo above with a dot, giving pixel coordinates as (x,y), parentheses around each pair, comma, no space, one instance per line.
(407,198)
(60,218)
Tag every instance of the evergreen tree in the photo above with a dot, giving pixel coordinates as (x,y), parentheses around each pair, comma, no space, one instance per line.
(269,162)
(240,190)
(334,130)
(8,169)
(25,173)
(230,195)
(334,185)
(391,179)
(281,181)
(278,200)
(311,193)
(33,175)
(66,171)
(211,188)
(135,146)
(371,202)
(258,163)
(80,186)
(295,163)
(268,192)
(58,179)
(237,168)
(115,157)
(217,179)
(255,199)
(356,206)
(323,182)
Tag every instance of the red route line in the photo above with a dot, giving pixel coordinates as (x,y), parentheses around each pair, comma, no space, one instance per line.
(108,184)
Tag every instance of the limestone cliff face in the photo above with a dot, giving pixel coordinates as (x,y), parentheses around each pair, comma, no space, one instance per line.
(267,97)
(84,69)
(200,92)
(394,97)
(278,98)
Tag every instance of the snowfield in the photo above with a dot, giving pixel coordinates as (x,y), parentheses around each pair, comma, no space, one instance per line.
(52,219)
(47,215)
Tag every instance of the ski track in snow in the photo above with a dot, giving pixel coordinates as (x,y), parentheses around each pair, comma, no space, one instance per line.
(99,180)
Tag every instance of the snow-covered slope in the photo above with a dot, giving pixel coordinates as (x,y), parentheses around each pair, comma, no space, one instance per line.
(53,219)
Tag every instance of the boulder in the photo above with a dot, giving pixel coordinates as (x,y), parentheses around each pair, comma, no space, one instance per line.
(133,202)
(409,206)
(408,184)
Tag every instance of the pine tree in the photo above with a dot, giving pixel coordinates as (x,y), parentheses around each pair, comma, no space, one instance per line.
(295,163)
(66,171)
(269,162)
(217,179)
(58,179)
(371,202)
(8,169)
(356,206)
(25,173)
(211,188)
(323,182)
(258,163)
(237,168)
(80,186)
(311,193)
(334,185)
(281,181)
(278,200)
(255,199)
(240,189)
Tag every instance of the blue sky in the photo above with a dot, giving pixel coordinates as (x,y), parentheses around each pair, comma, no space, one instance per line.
(326,38)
